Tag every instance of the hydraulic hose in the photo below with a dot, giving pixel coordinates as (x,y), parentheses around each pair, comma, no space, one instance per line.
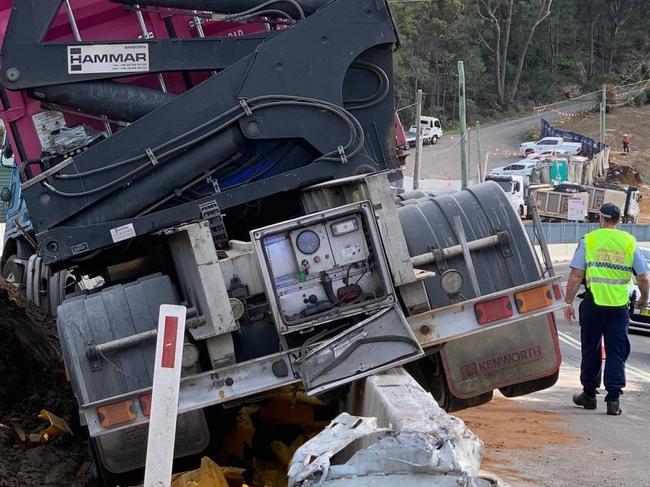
(353,145)
(293,7)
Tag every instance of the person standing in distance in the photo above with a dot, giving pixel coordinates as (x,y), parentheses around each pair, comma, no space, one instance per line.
(626,143)
(605,261)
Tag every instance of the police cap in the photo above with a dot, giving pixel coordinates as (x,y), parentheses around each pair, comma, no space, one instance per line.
(611,212)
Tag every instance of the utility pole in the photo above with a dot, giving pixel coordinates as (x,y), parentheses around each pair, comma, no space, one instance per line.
(603,115)
(464,167)
(478,151)
(418,140)
(469,150)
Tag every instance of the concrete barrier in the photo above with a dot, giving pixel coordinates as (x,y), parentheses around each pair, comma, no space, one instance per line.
(559,252)
(398,436)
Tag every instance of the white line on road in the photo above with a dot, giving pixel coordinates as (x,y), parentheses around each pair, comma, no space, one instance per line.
(632,371)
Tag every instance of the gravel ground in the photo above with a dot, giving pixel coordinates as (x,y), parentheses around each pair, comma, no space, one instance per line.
(33,379)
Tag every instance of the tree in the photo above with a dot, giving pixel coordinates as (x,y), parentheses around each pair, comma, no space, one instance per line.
(517,52)
(492,11)
(619,12)
(541,10)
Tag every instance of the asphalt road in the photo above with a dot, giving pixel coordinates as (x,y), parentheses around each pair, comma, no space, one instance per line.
(501,141)
(614,449)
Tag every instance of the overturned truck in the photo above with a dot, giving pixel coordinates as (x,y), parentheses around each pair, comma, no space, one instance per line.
(236,157)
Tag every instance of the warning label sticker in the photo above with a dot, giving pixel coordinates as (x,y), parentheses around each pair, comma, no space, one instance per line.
(108,58)
(124,232)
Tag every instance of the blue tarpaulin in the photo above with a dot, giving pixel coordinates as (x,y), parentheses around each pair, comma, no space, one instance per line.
(590,147)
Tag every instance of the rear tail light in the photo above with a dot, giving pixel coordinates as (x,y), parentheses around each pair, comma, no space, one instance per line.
(493,310)
(532,299)
(145,404)
(116,413)
(557,290)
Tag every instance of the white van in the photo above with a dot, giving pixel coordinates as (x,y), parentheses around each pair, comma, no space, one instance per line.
(433,129)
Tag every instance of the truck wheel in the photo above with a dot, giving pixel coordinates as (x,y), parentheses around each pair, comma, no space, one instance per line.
(102,477)
(530,386)
(13,272)
(434,140)
(529,151)
(429,373)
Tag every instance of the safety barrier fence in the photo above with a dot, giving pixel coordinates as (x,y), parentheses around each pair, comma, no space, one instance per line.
(566,233)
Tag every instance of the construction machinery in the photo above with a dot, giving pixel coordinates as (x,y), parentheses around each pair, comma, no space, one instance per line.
(236,157)
(554,202)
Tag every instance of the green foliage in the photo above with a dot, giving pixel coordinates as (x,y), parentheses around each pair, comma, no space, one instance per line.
(576,48)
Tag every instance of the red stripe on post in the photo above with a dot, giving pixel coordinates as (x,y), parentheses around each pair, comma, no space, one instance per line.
(169,342)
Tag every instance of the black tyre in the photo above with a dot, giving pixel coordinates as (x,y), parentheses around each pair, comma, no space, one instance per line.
(430,374)
(13,272)
(434,140)
(530,386)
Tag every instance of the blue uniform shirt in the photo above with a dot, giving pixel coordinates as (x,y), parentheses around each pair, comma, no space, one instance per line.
(578,261)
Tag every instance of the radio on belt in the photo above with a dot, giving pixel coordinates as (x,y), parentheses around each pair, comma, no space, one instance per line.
(323,267)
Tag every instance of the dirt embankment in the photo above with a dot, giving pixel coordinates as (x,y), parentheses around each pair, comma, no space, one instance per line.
(631,120)
(33,379)
(510,429)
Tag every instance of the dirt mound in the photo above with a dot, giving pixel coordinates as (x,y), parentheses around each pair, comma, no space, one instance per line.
(33,379)
(508,428)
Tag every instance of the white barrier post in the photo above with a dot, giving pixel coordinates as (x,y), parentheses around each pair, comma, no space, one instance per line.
(164,401)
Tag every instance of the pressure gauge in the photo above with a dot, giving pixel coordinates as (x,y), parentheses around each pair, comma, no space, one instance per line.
(308,242)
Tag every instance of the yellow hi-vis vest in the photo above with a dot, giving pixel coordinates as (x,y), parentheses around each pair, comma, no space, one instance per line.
(609,255)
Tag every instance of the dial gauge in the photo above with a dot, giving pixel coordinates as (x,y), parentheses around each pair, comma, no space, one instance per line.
(308,242)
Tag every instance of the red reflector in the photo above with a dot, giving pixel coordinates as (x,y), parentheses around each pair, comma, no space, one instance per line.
(557,290)
(169,342)
(494,310)
(145,404)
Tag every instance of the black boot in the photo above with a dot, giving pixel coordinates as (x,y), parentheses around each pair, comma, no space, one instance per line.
(614,407)
(585,400)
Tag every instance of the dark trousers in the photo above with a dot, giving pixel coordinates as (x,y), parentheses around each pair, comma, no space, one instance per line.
(626,147)
(597,322)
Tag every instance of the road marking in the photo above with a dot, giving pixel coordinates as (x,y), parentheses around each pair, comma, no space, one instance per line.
(631,370)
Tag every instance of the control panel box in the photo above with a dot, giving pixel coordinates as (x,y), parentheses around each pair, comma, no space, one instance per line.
(323,267)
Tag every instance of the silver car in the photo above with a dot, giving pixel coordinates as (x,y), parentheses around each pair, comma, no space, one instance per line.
(639,319)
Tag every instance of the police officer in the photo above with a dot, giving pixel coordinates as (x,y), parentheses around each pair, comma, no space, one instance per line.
(605,261)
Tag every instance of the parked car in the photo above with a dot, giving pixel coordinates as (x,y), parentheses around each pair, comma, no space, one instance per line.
(540,155)
(554,145)
(639,319)
(523,168)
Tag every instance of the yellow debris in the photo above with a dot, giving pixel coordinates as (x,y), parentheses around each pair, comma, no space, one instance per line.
(280,410)
(268,474)
(208,475)
(241,436)
(58,427)
(284,453)
(300,398)
(281,452)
